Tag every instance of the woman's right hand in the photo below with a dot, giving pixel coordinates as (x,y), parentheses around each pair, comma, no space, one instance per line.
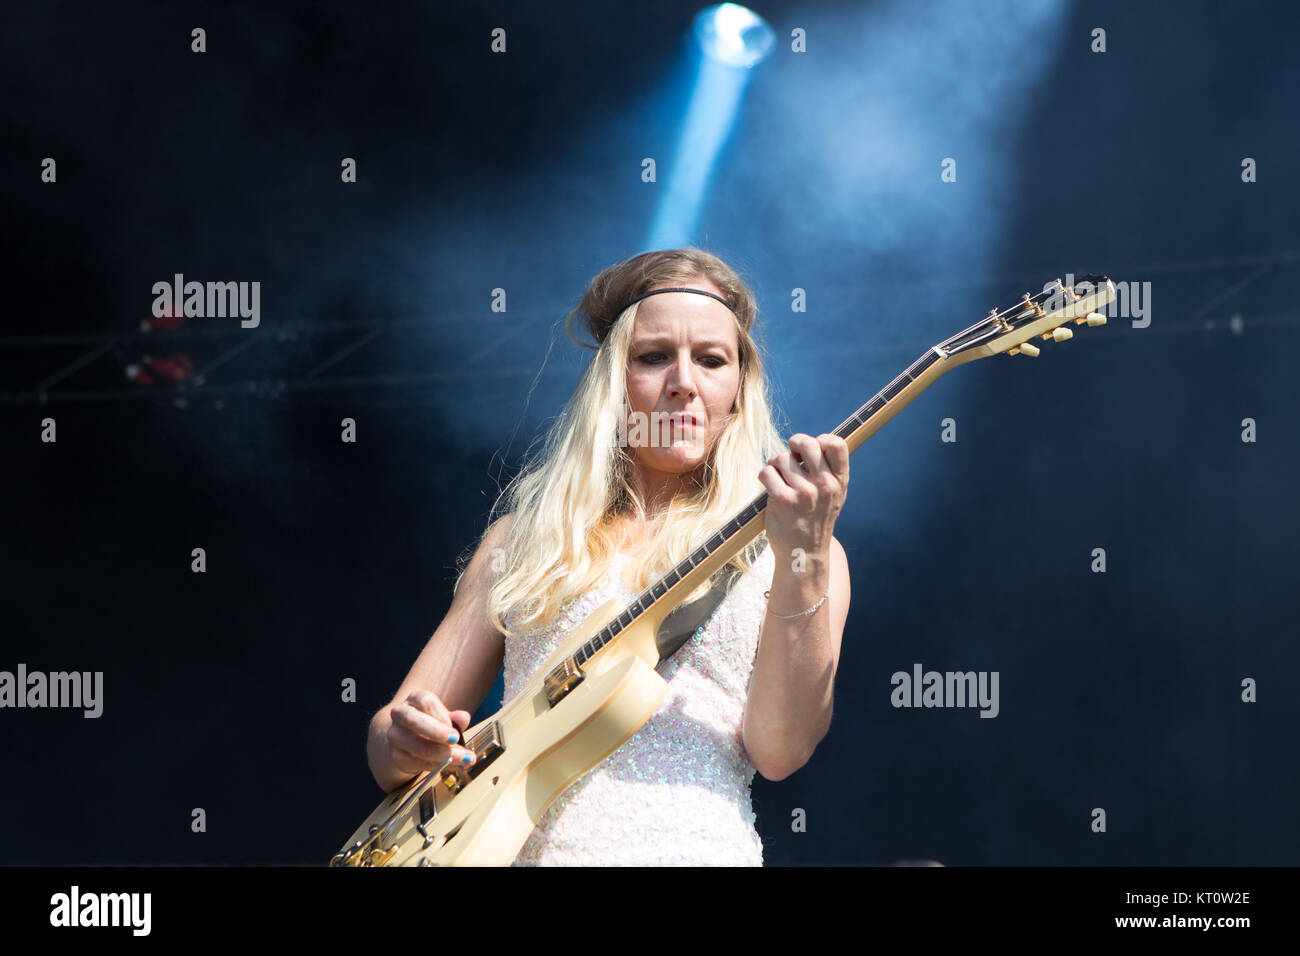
(424,734)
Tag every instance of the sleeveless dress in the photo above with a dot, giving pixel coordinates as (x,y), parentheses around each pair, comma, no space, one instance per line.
(677,793)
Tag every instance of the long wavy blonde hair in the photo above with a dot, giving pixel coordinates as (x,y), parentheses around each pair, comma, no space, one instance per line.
(568,496)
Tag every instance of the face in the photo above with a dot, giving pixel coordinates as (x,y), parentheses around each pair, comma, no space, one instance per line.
(683,364)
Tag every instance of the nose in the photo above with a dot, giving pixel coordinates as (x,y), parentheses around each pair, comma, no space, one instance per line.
(681,380)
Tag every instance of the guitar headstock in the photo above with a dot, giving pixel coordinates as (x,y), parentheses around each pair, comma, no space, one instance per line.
(1042,316)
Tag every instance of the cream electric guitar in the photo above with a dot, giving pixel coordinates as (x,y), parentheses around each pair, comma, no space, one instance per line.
(600,685)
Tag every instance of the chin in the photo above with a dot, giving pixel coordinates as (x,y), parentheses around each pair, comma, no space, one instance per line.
(677,461)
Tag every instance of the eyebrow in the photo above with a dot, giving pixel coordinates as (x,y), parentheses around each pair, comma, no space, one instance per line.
(661,339)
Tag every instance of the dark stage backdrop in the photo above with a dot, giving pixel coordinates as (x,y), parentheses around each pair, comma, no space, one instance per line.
(1162,690)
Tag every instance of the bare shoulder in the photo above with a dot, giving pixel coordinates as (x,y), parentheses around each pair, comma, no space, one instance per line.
(479,573)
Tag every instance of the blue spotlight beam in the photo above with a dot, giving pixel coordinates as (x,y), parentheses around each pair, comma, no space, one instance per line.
(709,120)
(732,40)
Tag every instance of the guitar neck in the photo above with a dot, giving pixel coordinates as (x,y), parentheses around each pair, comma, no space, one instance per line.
(701,564)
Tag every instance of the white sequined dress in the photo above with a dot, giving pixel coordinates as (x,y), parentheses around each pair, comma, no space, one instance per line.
(677,793)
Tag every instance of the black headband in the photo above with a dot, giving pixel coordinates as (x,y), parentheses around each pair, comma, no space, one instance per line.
(711,295)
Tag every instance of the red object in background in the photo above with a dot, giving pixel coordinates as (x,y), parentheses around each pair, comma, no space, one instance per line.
(172,369)
(169,321)
(139,375)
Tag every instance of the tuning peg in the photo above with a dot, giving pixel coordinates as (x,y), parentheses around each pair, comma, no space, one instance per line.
(1061,335)
(1025,349)
(1095,319)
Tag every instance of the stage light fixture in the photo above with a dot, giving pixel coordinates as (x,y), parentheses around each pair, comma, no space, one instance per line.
(734,35)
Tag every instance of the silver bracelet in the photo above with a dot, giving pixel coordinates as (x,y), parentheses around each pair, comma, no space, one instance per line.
(790,617)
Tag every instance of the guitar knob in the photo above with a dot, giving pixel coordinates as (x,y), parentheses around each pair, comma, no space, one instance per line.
(1061,335)
(1025,349)
(1095,319)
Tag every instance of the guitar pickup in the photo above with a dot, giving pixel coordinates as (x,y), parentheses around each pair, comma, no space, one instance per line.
(560,681)
(487,746)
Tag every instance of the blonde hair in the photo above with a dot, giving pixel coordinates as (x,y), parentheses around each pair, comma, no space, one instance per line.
(567,496)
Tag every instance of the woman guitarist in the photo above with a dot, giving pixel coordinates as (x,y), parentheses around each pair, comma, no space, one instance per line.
(667,436)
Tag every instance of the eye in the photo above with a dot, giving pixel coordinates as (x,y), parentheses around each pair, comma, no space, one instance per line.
(652,358)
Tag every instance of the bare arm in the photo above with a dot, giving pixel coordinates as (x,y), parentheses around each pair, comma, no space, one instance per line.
(457,665)
(791,690)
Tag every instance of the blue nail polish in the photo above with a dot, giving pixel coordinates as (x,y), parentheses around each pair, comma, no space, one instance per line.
(453,738)
(465,759)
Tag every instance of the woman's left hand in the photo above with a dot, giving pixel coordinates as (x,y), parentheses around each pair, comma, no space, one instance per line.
(805,495)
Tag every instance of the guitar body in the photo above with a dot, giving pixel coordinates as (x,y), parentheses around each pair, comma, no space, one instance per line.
(530,751)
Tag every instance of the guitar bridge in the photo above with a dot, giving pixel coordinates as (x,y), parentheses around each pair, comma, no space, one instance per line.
(560,681)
